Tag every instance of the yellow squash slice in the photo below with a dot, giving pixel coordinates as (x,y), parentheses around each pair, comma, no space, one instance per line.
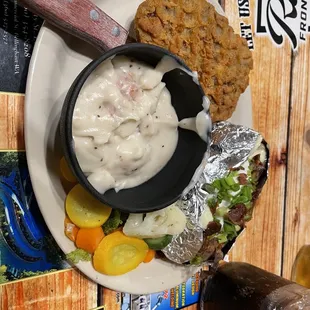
(118,254)
(84,210)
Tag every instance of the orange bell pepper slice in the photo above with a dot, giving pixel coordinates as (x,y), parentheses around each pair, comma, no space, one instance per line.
(88,239)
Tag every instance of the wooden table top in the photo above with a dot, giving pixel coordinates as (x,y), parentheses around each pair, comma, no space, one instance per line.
(280,83)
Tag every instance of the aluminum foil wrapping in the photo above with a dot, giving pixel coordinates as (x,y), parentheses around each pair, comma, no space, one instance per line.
(231,145)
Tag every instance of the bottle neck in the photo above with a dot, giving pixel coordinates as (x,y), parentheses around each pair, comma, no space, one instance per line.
(243,286)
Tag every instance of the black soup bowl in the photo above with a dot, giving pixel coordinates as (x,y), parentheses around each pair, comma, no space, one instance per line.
(166,186)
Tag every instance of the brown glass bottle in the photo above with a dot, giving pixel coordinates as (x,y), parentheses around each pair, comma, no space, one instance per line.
(245,287)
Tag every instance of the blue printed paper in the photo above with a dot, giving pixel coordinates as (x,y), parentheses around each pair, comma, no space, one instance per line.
(26,246)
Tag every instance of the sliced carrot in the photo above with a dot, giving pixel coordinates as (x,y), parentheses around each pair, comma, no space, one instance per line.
(71,230)
(149,256)
(88,239)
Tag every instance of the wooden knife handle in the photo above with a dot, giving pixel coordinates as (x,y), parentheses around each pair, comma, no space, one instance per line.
(82,19)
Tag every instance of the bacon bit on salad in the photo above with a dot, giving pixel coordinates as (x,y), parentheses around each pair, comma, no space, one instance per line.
(243,179)
(237,213)
(213,228)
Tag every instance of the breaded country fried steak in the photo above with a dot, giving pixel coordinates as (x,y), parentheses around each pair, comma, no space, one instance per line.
(193,30)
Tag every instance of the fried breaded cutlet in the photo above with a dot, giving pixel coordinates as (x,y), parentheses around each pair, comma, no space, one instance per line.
(193,30)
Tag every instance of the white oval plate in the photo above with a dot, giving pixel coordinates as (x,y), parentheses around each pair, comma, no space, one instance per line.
(57,59)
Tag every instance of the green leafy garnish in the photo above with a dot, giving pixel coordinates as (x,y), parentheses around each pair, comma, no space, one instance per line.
(239,199)
(113,222)
(233,174)
(247,217)
(237,227)
(224,184)
(248,205)
(158,244)
(226,193)
(230,181)
(247,192)
(230,230)
(217,184)
(197,260)
(78,255)
(244,196)
(208,188)
(222,238)
(212,202)
(235,187)
(221,211)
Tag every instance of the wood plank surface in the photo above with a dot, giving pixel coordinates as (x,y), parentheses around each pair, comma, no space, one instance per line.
(261,243)
(297,215)
(68,290)
(12,122)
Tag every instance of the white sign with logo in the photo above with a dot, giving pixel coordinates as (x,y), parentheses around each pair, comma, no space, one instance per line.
(283,18)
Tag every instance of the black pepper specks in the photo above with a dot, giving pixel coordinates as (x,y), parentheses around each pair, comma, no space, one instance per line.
(162,146)
(156,116)
(130,66)
(100,107)
(95,148)
(101,159)
(98,115)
